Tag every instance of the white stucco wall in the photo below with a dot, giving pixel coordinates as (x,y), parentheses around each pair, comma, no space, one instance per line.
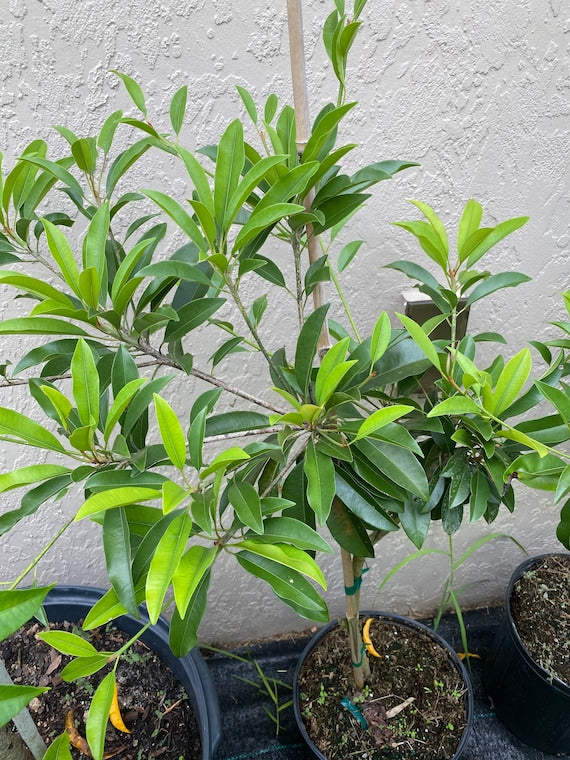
(478,93)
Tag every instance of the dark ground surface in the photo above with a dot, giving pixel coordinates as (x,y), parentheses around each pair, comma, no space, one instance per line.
(248,733)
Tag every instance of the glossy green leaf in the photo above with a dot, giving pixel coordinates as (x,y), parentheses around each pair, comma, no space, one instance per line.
(179,215)
(17,606)
(124,161)
(191,316)
(171,432)
(527,441)
(248,103)
(319,471)
(421,339)
(39,326)
(85,383)
(35,287)
(362,504)
(82,667)
(322,129)
(59,749)
(511,380)
(141,401)
(289,530)
(98,715)
(164,562)
(245,500)
(495,235)
(117,549)
(396,463)
(13,699)
(288,584)
(25,476)
(264,219)
(251,179)
(455,405)
(107,133)
(468,225)
(348,531)
(120,403)
(181,270)
(17,427)
(193,565)
(307,346)
(184,631)
(286,555)
(496,282)
(62,254)
(229,164)
(480,493)
(380,418)
(415,522)
(172,496)
(68,643)
(117,497)
(558,398)
(563,528)
(84,152)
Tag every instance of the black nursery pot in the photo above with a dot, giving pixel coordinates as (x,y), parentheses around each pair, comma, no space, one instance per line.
(72,603)
(527,700)
(406,623)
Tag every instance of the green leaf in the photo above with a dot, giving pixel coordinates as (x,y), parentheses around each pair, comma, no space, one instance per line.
(98,715)
(107,133)
(134,90)
(307,343)
(563,529)
(120,403)
(36,287)
(288,584)
(245,500)
(437,226)
(18,427)
(181,270)
(480,493)
(319,471)
(396,463)
(95,241)
(362,504)
(196,438)
(191,316)
(124,161)
(184,631)
(322,129)
(13,699)
(559,399)
(164,562)
(178,109)
(248,103)
(421,339)
(455,405)
(229,164)
(380,418)
(171,432)
(179,215)
(82,667)
(68,643)
(117,549)
(263,219)
(192,568)
(415,522)
(496,282)
(62,255)
(286,555)
(289,530)
(39,326)
(511,380)
(84,152)
(348,531)
(468,225)
(59,748)
(24,476)
(495,235)
(17,606)
(234,422)
(85,383)
(116,497)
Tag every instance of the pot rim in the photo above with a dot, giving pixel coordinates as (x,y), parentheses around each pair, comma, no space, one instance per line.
(405,622)
(517,574)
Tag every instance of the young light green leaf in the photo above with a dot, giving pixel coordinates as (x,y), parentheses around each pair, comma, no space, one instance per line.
(122,400)
(456,405)
(468,225)
(178,109)
(98,715)
(307,346)
(25,476)
(82,667)
(116,497)
(381,335)
(421,339)
(179,215)
(171,432)
(248,103)
(59,748)
(495,235)
(380,418)
(63,255)
(134,90)
(496,282)
(287,530)
(229,164)
(39,326)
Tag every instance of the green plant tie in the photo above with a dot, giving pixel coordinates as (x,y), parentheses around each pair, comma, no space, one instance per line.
(359,663)
(352,590)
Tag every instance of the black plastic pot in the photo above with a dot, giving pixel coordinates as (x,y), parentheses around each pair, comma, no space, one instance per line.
(73,602)
(527,700)
(406,623)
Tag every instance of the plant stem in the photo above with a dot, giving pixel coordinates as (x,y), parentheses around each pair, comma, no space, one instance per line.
(43,552)
(360,666)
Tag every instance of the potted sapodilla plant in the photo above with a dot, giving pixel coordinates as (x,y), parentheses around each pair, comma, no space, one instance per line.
(342,438)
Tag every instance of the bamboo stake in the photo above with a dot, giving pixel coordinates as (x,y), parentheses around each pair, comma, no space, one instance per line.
(301,105)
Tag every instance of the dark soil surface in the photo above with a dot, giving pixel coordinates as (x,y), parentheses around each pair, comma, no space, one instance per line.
(413,672)
(540,606)
(154,706)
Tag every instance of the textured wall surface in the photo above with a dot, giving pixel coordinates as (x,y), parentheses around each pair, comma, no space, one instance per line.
(478,93)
